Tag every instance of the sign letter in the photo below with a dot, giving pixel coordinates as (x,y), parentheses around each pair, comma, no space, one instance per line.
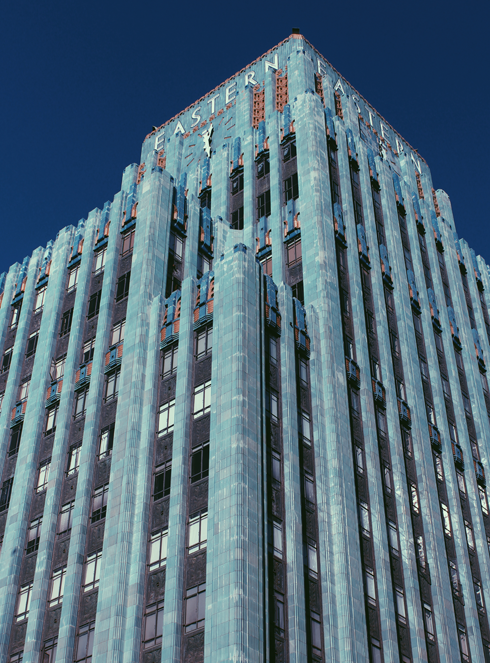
(195,116)
(250,78)
(270,65)
(230,93)
(322,70)
(179,128)
(211,101)
(416,163)
(399,146)
(338,86)
(355,100)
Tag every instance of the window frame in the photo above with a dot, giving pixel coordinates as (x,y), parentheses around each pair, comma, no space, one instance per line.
(100,512)
(172,352)
(128,236)
(197,522)
(205,389)
(169,409)
(93,565)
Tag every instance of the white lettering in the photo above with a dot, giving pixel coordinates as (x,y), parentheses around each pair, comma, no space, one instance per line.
(355,100)
(195,116)
(270,65)
(230,93)
(416,163)
(399,146)
(384,131)
(322,70)
(211,101)
(371,118)
(250,78)
(338,86)
(179,128)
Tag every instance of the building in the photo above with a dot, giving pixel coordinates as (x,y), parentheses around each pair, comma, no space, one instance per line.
(201,462)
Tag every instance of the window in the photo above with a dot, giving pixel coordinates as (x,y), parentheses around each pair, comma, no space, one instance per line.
(483,500)
(376,651)
(66,517)
(420,549)
(237,184)
(88,350)
(454,575)
(429,622)
(23,602)
(414,496)
(424,369)
(273,406)
(407,443)
(303,371)
(289,151)
(32,344)
(381,421)
(267,265)
(33,535)
(66,319)
(118,332)
(40,296)
(309,489)
(439,468)
(316,630)
(204,342)
(430,414)
(298,292)
(277,538)
(294,252)
(364,518)
(463,643)
(73,278)
(176,246)
(355,402)
(237,219)
(395,346)
(80,403)
(204,264)
(461,483)
(73,459)
(57,586)
(51,420)
(393,537)
(58,368)
(400,605)
(24,390)
(99,260)
(43,476)
(128,242)
(198,531)
(15,440)
(400,389)
(474,449)
(85,643)
(163,476)
(18,657)
(1,399)
(170,357)
(263,167)
(445,385)
(106,441)
(166,418)
(153,625)
(158,549)
(370,586)
(453,433)
(279,613)
(264,204)
(122,290)
(49,651)
(312,560)
(5,494)
(479,595)
(99,503)
(200,463)
(359,460)
(14,320)
(112,384)
(291,190)
(446,520)
(195,605)
(304,427)
(94,304)
(92,571)
(273,350)
(469,535)
(202,399)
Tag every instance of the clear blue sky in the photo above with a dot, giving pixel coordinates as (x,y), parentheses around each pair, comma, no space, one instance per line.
(83,83)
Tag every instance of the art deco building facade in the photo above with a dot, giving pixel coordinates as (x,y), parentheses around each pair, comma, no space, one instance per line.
(245,411)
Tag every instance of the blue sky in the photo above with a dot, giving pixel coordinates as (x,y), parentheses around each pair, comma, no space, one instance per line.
(83,83)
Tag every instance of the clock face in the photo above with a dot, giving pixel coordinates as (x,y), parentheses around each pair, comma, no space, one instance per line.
(205,136)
